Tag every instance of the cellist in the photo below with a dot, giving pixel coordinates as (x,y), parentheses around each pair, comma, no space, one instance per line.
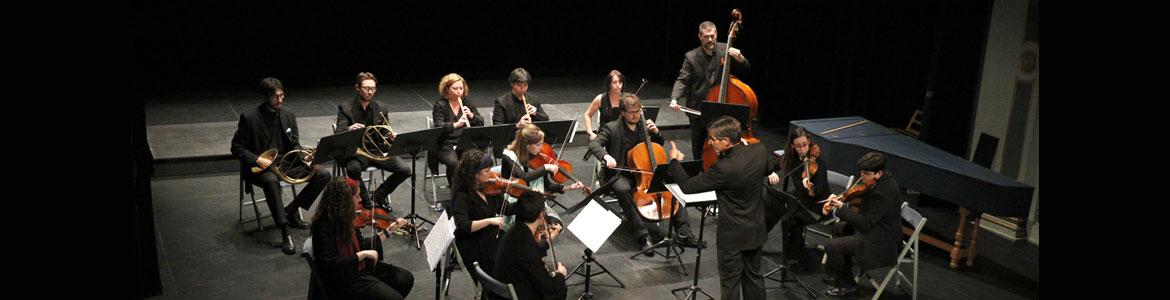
(615,139)
(700,71)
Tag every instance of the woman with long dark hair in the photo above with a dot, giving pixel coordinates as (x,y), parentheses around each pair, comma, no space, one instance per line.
(350,267)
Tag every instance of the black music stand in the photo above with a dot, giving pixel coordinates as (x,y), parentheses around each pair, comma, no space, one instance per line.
(661,173)
(337,147)
(651,112)
(786,270)
(555,132)
(692,167)
(714,110)
(482,137)
(412,143)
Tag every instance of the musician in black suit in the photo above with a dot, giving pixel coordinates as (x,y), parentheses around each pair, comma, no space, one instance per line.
(510,107)
(701,70)
(519,260)
(611,145)
(738,181)
(796,207)
(358,113)
(452,112)
(269,126)
(876,228)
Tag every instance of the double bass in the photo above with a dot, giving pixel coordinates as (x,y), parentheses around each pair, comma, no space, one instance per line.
(644,158)
(731,90)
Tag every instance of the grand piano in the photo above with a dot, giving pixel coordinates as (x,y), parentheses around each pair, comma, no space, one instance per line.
(923,168)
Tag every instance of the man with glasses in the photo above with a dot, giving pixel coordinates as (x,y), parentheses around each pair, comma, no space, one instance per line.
(356,114)
(611,145)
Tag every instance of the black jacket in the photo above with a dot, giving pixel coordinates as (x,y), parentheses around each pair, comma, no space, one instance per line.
(611,140)
(700,72)
(738,179)
(478,245)
(350,112)
(518,261)
(444,118)
(509,109)
(253,136)
(879,223)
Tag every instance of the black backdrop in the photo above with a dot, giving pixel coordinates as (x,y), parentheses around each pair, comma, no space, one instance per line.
(811,58)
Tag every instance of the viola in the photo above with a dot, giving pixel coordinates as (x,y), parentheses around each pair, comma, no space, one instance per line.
(377,216)
(498,185)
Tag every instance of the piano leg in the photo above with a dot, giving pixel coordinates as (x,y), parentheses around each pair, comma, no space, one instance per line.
(974,237)
(956,250)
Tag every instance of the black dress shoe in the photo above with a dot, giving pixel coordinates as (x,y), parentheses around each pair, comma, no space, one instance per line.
(842,291)
(293,215)
(646,244)
(286,245)
(691,242)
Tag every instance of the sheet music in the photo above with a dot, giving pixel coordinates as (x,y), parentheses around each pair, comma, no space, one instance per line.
(594,225)
(704,197)
(439,239)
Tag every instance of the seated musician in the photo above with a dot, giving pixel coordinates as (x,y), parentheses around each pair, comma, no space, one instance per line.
(269,126)
(611,145)
(356,114)
(477,215)
(872,234)
(518,106)
(515,164)
(452,112)
(799,209)
(604,103)
(519,261)
(352,267)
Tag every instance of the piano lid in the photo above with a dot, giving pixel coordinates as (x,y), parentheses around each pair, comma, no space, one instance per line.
(919,166)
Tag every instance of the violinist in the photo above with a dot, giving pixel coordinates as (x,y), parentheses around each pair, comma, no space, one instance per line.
(872,233)
(737,179)
(476,213)
(700,71)
(524,159)
(614,140)
(519,261)
(802,168)
(350,268)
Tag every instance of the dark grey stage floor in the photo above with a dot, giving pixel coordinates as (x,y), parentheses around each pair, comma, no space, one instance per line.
(204,254)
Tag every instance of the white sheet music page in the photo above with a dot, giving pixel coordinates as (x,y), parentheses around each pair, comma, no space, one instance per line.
(594,225)
(439,239)
(703,197)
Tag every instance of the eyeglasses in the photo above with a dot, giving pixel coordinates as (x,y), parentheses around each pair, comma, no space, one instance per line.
(632,111)
(799,145)
(369,88)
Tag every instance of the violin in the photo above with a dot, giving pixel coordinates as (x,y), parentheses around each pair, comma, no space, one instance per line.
(378,217)
(856,193)
(810,161)
(564,168)
(498,185)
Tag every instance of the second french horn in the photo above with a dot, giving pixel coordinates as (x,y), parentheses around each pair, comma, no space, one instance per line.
(376,141)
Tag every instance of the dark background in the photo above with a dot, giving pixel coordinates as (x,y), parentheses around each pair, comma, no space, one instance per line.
(810,58)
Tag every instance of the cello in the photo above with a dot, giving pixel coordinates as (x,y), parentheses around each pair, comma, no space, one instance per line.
(731,90)
(644,158)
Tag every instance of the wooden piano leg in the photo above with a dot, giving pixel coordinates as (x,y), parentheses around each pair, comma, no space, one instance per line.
(974,237)
(956,249)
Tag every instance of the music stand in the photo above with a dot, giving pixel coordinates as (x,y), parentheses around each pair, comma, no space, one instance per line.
(555,132)
(786,270)
(412,143)
(651,112)
(661,173)
(713,110)
(497,137)
(337,147)
(693,168)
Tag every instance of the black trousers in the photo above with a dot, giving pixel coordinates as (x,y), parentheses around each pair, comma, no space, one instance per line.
(399,172)
(739,274)
(623,189)
(386,281)
(792,216)
(841,249)
(449,157)
(271,186)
